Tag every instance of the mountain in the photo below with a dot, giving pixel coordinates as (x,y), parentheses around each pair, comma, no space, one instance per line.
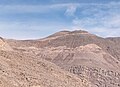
(73,39)
(18,69)
(88,56)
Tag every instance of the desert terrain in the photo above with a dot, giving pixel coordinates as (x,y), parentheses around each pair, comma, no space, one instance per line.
(64,59)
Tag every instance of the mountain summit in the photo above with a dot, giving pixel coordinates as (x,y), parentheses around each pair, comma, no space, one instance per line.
(68,33)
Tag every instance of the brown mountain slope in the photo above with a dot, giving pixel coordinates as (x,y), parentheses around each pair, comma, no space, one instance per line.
(72,39)
(23,70)
(90,62)
(89,56)
(78,38)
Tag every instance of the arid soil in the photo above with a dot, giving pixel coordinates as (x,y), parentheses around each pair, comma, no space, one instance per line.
(93,61)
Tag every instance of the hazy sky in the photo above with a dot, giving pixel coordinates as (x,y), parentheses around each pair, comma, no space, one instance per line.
(23,19)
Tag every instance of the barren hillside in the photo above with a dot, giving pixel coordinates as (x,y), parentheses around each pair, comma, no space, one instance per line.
(90,57)
(23,70)
(72,39)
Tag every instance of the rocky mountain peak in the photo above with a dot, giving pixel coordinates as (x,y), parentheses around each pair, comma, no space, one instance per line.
(73,32)
(78,31)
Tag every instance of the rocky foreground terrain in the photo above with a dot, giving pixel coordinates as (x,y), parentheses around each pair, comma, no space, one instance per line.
(64,59)
(19,69)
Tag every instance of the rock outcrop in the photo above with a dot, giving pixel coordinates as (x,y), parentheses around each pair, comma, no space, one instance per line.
(4,45)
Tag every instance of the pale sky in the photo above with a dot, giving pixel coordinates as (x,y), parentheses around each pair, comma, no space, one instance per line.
(28,19)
